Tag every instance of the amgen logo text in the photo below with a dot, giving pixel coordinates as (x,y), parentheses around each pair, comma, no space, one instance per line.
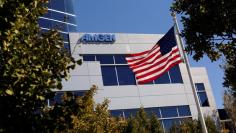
(98,38)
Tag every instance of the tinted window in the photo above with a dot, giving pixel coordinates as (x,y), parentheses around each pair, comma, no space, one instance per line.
(44,23)
(169,123)
(109,75)
(89,57)
(79,93)
(59,26)
(72,28)
(151,111)
(58,97)
(125,75)
(130,112)
(69,6)
(203,99)
(200,86)
(105,59)
(71,19)
(117,113)
(184,111)
(169,112)
(175,75)
(164,79)
(57,5)
(120,59)
(59,16)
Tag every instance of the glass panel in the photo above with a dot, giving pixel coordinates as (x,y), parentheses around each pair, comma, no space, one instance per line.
(89,57)
(79,93)
(120,59)
(71,19)
(105,59)
(200,86)
(72,28)
(65,37)
(59,26)
(164,79)
(203,99)
(125,75)
(175,75)
(151,111)
(67,46)
(69,6)
(116,113)
(58,5)
(184,111)
(59,16)
(47,15)
(44,23)
(129,112)
(109,75)
(58,97)
(169,123)
(169,112)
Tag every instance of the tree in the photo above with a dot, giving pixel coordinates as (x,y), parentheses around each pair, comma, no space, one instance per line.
(193,126)
(32,64)
(230,107)
(140,123)
(209,28)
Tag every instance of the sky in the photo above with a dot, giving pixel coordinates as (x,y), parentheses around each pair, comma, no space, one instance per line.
(140,16)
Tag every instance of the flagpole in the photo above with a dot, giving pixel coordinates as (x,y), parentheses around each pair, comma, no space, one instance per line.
(200,114)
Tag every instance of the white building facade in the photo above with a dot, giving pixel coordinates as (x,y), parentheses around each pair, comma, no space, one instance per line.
(170,97)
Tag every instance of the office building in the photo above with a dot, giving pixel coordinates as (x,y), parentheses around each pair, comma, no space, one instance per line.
(170,97)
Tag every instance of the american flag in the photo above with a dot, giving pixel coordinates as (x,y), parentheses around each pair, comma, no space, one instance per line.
(151,64)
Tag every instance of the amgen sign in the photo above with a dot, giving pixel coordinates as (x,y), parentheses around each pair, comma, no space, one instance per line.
(98,38)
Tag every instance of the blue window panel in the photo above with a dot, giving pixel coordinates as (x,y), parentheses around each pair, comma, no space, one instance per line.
(72,28)
(67,46)
(59,26)
(65,37)
(47,15)
(69,6)
(71,19)
(58,5)
(120,59)
(105,59)
(130,112)
(151,111)
(184,111)
(200,86)
(117,113)
(44,23)
(58,97)
(89,57)
(79,93)
(175,75)
(59,16)
(125,75)
(109,75)
(169,112)
(168,123)
(164,79)
(203,99)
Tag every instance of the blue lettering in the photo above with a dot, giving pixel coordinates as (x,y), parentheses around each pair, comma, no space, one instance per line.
(98,38)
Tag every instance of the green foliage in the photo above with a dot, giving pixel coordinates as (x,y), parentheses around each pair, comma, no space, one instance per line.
(210,29)
(32,64)
(194,126)
(142,124)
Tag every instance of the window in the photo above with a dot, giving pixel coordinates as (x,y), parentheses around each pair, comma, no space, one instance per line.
(121,73)
(109,75)
(175,75)
(169,112)
(172,115)
(125,76)
(184,111)
(57,5)
(202,96)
